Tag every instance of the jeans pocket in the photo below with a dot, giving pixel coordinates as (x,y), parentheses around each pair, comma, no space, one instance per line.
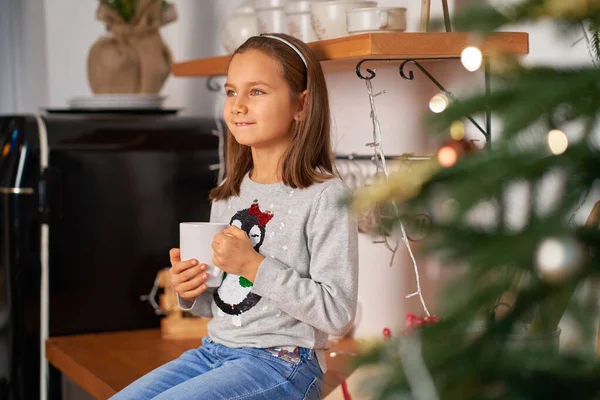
(314,390)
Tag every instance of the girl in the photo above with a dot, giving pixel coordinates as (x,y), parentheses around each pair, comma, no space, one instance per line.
(290,253)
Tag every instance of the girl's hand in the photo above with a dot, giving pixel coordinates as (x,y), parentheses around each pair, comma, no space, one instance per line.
(234,253)
(187,277)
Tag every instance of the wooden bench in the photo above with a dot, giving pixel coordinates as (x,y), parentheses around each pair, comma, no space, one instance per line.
(104,363)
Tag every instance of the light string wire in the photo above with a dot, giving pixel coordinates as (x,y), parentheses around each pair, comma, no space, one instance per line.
(380,161)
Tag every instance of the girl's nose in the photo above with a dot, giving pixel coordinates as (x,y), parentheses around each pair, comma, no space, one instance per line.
(239,107)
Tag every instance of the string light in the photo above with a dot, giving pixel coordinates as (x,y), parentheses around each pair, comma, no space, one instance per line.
(471,58)
(557,141)
(447,156)
(558,258)
(334,354)
(457,130)
(379,155)
(438,103)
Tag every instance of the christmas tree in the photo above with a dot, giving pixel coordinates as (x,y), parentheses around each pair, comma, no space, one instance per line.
(497,334)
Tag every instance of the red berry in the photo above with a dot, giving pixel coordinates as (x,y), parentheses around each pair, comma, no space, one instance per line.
(432,319)
(386,333)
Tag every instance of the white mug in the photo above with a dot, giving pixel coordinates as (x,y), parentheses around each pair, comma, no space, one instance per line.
(272,20)
(267,4)
(373,19)
(299,20)
(195,240)
(329,17)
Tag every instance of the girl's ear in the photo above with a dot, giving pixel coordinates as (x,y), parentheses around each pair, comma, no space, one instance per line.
(301,111)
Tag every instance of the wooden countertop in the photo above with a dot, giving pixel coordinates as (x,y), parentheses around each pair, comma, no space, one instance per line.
(104,363)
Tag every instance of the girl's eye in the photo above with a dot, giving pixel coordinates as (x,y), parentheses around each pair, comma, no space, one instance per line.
(256,92)
(229,93)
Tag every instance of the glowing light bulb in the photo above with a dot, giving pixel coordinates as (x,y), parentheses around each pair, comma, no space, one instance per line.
(457,130)
(558,258)
(557,141)
(438,103)
(471,58)
(447,156)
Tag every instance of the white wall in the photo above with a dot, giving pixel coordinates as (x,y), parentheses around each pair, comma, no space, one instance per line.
(71,29)
(10,39)
(23,76)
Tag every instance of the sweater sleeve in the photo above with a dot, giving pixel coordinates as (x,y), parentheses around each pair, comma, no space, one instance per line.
(327,298)
(201,306)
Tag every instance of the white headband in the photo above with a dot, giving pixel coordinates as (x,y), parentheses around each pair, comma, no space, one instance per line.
(290,45)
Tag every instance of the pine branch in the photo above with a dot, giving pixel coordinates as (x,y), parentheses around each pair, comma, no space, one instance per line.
(527,95)
(594,41)
(485,18)
(497,363)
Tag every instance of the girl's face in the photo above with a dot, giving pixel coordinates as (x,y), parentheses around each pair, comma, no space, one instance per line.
(259,109)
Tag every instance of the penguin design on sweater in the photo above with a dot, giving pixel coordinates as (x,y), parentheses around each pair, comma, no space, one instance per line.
(234,297)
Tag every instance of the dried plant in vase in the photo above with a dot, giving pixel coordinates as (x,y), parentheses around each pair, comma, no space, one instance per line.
(132,57)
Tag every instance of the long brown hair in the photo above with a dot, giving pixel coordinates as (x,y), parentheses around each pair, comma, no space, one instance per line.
(309,159)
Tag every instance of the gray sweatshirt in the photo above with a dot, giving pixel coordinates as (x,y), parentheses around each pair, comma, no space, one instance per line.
(306,287)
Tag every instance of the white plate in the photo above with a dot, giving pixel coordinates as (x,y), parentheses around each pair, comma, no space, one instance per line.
(109,96)
(113,101)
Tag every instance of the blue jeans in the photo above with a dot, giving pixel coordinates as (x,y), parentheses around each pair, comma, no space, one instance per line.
(216,372)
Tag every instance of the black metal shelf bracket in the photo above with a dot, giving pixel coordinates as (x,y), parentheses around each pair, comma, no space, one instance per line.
(212,84)
(409,75)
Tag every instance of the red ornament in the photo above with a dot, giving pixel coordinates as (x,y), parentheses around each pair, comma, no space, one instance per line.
(387,334)
(412,321)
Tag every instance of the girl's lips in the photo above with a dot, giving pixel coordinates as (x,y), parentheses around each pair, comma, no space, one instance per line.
(244,123)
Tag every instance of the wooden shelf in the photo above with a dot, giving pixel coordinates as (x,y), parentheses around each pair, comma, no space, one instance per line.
(343,53)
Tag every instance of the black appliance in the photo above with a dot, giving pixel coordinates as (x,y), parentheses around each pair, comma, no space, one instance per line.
(111,197)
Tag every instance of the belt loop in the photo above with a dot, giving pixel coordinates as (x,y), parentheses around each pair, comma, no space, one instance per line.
(307,352)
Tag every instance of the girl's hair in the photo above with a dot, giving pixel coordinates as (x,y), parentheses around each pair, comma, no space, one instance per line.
(309,159)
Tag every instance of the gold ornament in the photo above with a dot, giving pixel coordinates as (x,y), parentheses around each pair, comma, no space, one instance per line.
(403,184)
(570,8)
